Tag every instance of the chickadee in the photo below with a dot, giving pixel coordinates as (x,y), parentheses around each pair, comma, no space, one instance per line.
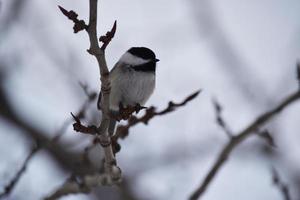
(132,80)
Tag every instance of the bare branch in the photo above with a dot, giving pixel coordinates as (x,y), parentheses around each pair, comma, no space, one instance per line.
(8,189)
(110,161)
(95,50)
(123,130)
(239,138)
(283,188)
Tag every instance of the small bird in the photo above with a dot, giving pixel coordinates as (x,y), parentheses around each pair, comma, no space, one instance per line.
(132,80)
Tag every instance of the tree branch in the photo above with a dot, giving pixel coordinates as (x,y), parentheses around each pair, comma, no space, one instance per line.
(123,130)
(239,138)
(99,53)
(110,161)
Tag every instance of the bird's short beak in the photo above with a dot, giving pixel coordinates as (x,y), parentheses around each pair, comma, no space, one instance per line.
(156,60)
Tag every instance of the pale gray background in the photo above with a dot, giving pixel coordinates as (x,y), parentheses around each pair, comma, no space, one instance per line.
(241,52)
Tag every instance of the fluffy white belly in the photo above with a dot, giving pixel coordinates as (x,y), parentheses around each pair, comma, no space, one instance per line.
(131,87)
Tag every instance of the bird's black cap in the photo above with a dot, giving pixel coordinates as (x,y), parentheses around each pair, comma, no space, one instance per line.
(143,52)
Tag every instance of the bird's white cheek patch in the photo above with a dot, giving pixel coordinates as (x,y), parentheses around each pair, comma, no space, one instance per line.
(130,59)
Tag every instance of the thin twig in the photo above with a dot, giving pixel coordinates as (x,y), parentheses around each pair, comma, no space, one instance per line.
(283,188)
(123,130)
(239,138)
(219,119)
(109,35)
(8,189)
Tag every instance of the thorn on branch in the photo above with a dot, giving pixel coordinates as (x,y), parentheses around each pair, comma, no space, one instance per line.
(78,127)
(79,25)
(109,35)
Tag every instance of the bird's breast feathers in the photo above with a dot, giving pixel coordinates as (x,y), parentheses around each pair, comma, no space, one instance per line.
(131,87)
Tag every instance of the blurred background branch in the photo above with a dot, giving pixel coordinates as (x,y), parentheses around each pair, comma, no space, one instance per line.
(282,187)
(240,137)
(8,188)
